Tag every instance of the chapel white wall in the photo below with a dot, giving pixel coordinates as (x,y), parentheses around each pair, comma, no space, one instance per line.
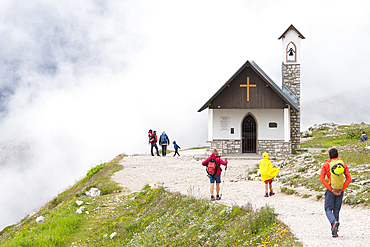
(263,117)
(210,124)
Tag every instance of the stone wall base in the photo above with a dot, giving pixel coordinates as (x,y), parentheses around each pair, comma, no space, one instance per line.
(276,148)
(224,147)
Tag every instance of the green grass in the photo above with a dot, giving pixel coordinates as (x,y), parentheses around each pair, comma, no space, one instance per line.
(55,231)
(343,135)
(60,211)
(287,191)
(155,217)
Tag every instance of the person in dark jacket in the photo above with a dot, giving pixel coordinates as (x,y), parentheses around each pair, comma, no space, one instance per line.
(164,141)
(153,143)
(176,147)
(363,137)
(216,177)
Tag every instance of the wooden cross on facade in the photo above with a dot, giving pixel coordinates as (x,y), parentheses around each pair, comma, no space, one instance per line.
(248,86)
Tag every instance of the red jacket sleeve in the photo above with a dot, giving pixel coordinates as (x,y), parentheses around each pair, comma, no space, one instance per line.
(325,171)
(348,177)
(222,162)
(205,162)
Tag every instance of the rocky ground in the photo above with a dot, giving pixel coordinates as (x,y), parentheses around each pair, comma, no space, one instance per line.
(305,216)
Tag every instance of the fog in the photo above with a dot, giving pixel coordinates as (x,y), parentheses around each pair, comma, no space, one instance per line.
(82,82)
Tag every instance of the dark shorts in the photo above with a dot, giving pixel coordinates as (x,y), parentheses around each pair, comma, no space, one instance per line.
(268,181)
(216,178)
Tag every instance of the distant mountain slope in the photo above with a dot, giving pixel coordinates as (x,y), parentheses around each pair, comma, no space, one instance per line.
(344,108)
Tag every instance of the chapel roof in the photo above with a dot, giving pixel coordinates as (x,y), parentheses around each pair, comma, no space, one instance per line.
(284,93)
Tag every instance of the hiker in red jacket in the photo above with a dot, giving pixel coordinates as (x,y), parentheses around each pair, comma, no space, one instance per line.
(334,169)
(153,143)
(217,176)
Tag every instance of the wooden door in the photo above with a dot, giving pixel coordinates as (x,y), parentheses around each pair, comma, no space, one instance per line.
(249,135)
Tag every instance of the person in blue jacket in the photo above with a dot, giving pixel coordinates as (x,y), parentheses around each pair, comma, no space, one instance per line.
(164,141)
(176,147)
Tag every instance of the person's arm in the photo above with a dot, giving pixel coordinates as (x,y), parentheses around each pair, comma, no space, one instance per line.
(348,177)
(324,171)
(205,162)
(223,162)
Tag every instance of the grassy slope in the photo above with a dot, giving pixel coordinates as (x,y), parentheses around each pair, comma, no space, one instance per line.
(305,169)
(153,217)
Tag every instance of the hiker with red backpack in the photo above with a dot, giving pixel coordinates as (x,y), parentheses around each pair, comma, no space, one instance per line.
(153,142)
(150,136)
(213,164)
(335,170)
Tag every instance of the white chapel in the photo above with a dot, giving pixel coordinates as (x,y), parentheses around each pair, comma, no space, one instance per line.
(251,114)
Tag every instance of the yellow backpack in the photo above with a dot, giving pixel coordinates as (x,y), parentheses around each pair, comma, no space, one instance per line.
(336,174)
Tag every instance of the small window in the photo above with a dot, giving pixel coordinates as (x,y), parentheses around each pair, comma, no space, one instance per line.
(272,125)
(232,131)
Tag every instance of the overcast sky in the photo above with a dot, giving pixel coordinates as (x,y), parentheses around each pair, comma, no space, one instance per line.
(83,81)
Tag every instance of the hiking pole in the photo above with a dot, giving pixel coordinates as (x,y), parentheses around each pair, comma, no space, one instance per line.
(223,181)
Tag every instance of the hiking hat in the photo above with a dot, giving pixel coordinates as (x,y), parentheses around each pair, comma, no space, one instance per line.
(337,169)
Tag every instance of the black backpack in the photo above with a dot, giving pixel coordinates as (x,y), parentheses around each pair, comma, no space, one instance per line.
(212,167)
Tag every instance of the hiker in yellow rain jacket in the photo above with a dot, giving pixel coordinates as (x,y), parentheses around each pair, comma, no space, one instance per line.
(267,173)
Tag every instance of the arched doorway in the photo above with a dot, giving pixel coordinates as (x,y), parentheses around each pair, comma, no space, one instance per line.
(249,135)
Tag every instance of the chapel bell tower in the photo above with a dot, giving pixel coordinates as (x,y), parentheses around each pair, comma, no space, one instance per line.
(292,55)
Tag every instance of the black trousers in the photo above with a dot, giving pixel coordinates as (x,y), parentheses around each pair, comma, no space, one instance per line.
(176,152)
(156,148)
(164,150)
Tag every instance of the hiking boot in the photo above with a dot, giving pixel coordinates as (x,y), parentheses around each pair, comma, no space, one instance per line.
(272,193)
(212,198)
(266,194)
(218,197)
(334,229)
(335,236)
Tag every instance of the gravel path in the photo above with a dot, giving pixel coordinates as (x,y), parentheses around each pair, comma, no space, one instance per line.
(306,217)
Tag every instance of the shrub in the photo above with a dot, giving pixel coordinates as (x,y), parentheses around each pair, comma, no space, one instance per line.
(290,192)
(353,134)
(301,169)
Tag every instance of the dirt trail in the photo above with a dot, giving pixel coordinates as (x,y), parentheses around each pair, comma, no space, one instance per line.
(306,217)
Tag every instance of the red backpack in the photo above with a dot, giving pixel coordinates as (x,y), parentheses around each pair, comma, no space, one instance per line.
(212,167)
